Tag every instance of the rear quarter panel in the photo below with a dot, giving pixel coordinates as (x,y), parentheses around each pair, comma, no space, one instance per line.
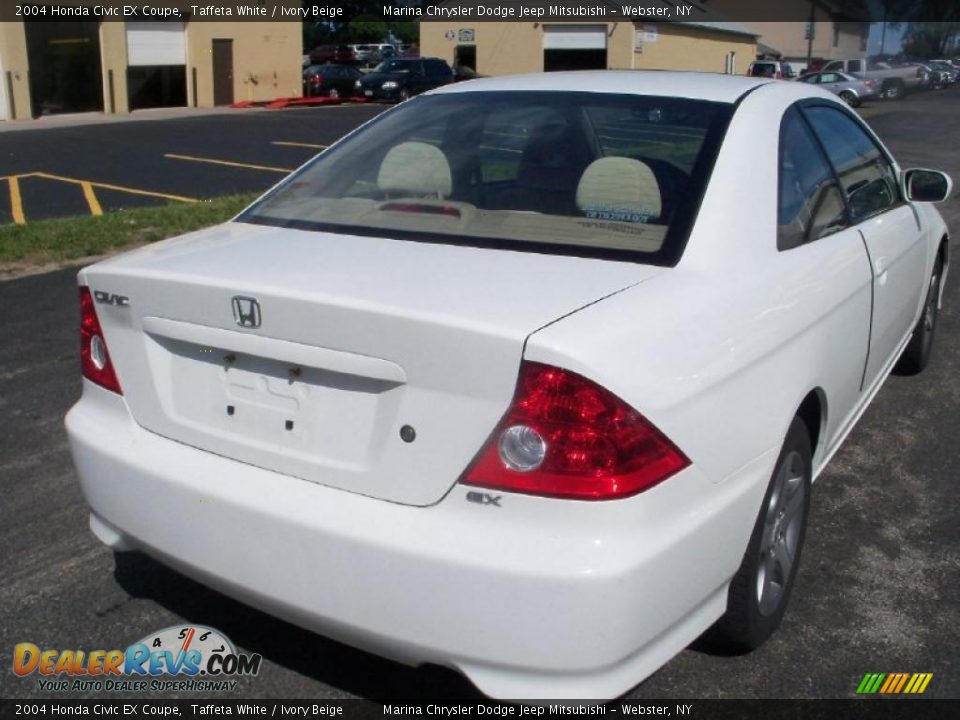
(720,351)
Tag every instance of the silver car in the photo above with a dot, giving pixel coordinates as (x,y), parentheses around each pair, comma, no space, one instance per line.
(852,90)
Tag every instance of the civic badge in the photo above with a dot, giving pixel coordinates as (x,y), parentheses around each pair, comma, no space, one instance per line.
(246,311)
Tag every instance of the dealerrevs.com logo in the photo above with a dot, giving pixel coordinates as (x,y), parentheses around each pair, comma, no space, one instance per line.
(176,659)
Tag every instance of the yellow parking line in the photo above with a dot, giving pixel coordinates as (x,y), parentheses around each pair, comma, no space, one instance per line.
(299,144)
(147,193)
(91,199)
(16,202)
(229,163)
(118,188)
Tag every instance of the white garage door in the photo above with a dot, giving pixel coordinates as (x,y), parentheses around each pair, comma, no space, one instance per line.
(574,37)
(156,43)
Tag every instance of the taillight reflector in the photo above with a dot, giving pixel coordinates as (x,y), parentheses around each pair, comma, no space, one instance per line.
(94,356)
(565,436)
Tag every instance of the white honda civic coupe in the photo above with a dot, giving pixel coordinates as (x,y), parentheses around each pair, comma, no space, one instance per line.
(528,377)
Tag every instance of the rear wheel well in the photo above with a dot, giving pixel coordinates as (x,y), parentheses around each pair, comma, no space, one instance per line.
(943,251)
(812,411)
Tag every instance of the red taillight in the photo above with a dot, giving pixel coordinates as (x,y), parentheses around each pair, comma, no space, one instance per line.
(565,436)
(94,357)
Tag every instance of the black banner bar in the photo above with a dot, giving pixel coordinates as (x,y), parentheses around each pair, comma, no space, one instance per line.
(337,11)
(859,709)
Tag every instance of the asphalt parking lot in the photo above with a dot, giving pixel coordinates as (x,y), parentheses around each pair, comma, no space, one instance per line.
(878,590)
(68,171)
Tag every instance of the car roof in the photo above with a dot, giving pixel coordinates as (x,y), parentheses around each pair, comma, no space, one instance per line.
(703,86)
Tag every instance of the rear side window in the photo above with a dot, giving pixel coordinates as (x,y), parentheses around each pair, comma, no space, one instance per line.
(810,204)
(592,174)
(867,177)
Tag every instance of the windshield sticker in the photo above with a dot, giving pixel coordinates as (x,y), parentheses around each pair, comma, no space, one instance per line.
(601,212)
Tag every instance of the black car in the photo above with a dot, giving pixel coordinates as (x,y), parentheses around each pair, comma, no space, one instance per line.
(330,80)
(401,78)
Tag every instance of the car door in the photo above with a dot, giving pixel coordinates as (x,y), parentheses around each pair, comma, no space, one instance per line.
(823,256)
(418,77)
(831,81)
(888,224)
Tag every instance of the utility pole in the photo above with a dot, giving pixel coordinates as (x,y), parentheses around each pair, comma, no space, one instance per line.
(810,32)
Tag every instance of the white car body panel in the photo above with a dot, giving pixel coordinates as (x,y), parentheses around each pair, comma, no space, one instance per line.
(355,330)
(540,597)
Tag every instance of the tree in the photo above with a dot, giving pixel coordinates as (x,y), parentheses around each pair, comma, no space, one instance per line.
(408,32)
(367,29)
(892,12)
(931,39)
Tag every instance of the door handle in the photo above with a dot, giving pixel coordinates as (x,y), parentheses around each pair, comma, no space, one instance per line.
(880,267)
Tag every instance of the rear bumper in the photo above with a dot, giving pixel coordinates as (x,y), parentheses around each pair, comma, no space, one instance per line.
(534,599)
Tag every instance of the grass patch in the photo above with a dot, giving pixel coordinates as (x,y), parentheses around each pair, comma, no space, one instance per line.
(55,241)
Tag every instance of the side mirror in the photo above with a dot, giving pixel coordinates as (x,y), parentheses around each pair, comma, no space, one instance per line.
(926,185)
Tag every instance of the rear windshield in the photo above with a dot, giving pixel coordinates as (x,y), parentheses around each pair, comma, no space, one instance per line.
(575,173)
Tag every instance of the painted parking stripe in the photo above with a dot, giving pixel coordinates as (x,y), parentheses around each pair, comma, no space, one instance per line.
(118,188)
(228,163)
(91,197)
(289,143)
(16,201)
(88,187)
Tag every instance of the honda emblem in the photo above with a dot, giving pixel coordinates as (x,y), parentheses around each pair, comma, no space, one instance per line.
(246,311)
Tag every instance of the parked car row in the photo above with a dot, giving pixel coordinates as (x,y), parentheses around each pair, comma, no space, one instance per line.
(330,80)
(860,79)
(364,55)
(394,79)
(851,89)
(401,78)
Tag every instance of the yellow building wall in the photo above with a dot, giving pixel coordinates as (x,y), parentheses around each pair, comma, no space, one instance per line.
(502,48)
(267,59)
(13,53)
(513,47)
(683,47)
(113,56)
(788,38)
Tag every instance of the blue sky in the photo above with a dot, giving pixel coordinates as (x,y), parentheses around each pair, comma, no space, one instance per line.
(893,40)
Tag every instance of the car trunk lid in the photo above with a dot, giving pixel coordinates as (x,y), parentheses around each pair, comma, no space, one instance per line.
(372,365)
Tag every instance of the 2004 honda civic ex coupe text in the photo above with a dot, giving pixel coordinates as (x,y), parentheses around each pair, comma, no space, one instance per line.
(528,377)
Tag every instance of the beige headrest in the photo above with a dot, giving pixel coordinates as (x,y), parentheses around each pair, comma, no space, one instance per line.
(415,168)
(618,186)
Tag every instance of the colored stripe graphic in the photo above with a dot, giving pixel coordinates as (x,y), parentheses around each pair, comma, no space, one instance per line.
(891,679)
(894,683)
(903,681)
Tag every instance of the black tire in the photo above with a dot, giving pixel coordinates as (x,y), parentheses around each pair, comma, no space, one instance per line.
(850,98)
(893,90)
(404,94)
(917,354)
(755,608)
